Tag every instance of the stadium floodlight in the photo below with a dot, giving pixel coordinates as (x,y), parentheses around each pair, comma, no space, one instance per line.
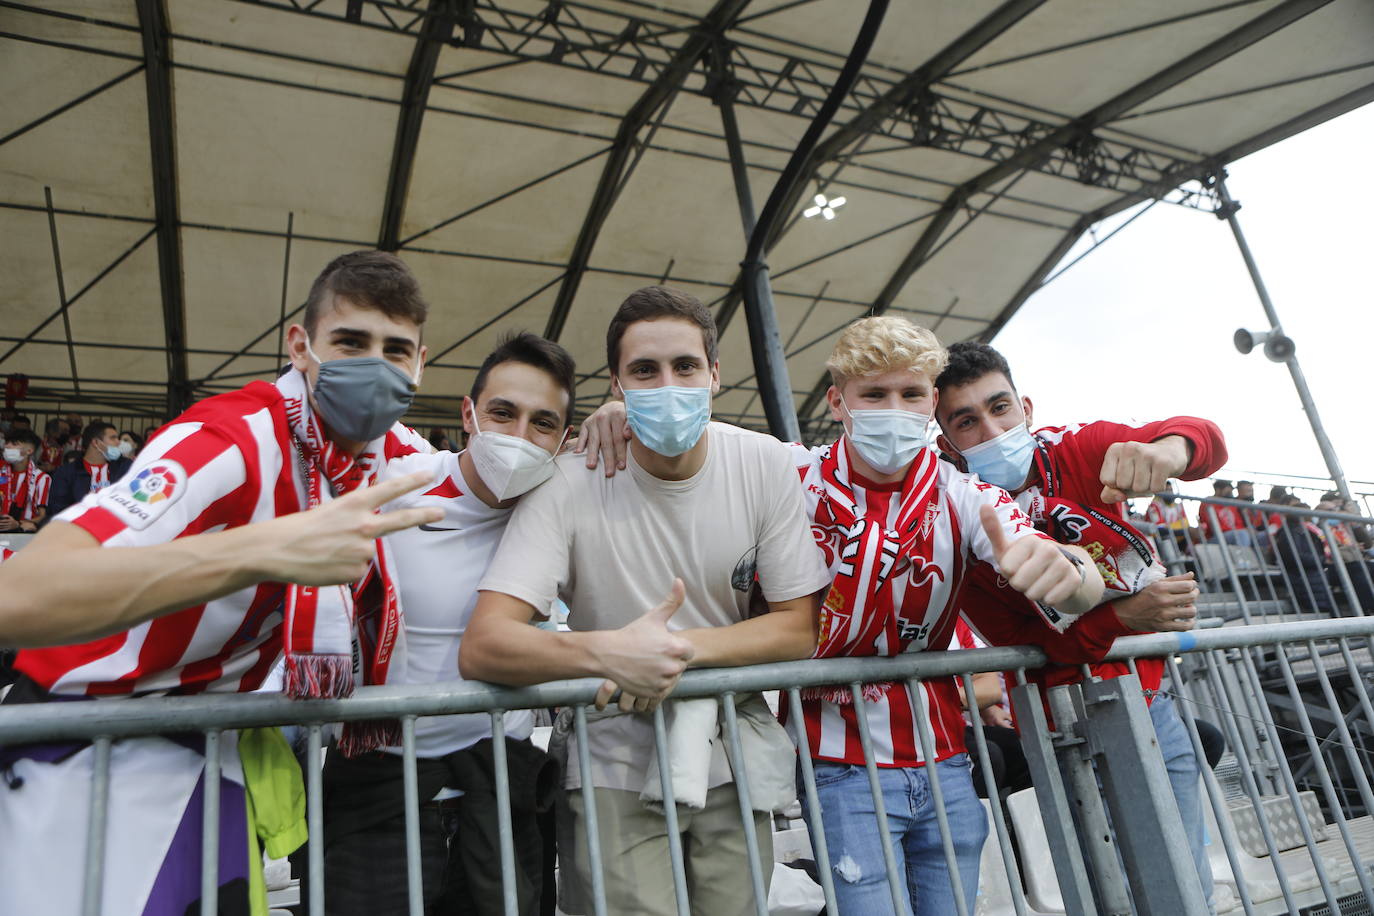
(824,206)
(1278,347)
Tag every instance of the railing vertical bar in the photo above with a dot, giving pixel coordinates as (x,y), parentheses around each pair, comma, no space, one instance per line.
(813,802)
(1361,693)
(895,880)
(94,888)
(1285,772)
(1230,842)
(746,808)
(665,775)
(209,832)
(1344,572)
(1247,777)
(589,816)
(1347,740)
(926,734)
(999,823)
(1291,788)
(314,809)
(1333,799)
(1316,550)
(503,813)
(410,779)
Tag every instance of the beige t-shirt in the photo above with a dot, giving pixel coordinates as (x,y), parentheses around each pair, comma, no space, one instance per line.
(610,548)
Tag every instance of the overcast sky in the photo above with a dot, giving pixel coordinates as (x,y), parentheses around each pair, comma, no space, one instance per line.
(1141,328)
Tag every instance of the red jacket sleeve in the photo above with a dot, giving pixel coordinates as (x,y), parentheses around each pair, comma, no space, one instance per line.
(1209,446)
(1003,618)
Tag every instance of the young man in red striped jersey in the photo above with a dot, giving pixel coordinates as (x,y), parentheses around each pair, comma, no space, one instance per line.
(900,529)
(234,530)
(24,487)
(1073,482)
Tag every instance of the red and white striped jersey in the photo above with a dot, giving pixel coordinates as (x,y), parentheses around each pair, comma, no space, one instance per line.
(226,462)
(25,493)
(1170,515)
(923,596)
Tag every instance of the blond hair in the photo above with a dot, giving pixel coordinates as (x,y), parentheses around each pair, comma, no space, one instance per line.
(885,343)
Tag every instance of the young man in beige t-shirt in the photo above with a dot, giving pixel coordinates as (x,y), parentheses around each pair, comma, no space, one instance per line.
(700,511)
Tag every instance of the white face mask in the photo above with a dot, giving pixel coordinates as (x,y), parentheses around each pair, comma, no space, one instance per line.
(888,439)
(126,448)
(509,465)
(13,456)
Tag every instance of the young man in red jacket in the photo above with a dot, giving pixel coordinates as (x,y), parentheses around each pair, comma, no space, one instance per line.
(1073,482)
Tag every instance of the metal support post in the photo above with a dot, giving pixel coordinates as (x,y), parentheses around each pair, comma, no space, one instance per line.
(1085,801)
(1145,818)
(765,339)
(1069,868)
(739,169)
(1227,211)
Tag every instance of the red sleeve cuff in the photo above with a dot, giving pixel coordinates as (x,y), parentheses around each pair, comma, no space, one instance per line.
(1209,445)
(1096,630)
(99,522)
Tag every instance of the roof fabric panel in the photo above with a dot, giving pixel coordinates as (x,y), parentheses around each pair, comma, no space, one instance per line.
(557,156)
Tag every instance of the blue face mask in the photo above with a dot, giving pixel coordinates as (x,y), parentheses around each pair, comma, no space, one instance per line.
(888,440)
(1004,461)
(668,420)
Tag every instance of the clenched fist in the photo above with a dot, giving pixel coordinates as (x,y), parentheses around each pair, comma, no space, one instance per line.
(1142,468)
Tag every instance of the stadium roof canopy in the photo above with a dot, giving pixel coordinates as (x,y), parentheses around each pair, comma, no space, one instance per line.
(174,174)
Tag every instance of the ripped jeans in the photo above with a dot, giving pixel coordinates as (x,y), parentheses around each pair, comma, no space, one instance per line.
(851,835)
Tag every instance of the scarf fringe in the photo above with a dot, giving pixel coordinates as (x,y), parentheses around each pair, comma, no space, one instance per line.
(841,695)
(369,735)
(318,677)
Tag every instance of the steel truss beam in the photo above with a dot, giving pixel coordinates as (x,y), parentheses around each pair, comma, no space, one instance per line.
(906,109)
(899,98)
(435,31)
(621,159)
(1079,135)
(157,69)
(1335,108)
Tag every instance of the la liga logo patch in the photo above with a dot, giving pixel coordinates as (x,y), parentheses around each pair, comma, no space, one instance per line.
(142,499)
(159,482)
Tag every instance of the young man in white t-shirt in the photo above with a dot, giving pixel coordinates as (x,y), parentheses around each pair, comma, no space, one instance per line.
(700,511)
(516,418)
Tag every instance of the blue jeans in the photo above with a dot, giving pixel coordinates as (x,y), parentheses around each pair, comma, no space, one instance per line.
(1184,776)
(851,836)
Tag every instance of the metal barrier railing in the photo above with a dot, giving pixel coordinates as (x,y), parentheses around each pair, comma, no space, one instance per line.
(1214,672)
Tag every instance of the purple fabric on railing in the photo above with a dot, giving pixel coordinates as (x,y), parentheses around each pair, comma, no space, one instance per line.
(177,888)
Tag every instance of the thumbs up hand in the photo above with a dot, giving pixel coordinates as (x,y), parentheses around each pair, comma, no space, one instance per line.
(644,659)
(1033,565)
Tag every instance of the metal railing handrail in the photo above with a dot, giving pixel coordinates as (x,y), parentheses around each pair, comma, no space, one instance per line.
(169,715)
(1276,509)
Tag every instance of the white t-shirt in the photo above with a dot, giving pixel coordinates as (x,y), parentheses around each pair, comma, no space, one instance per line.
(437,567)
(610,548)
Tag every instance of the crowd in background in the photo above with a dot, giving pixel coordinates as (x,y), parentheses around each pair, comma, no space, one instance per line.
(42,475)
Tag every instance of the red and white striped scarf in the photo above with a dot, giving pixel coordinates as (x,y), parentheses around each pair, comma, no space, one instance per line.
(18,495)
(860,607)
(338,636)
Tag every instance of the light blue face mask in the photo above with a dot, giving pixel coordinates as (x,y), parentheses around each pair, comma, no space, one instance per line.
(888,440)
(1004,461)
(668,420)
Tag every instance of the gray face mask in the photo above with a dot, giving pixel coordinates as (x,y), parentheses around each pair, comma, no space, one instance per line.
(360,397)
